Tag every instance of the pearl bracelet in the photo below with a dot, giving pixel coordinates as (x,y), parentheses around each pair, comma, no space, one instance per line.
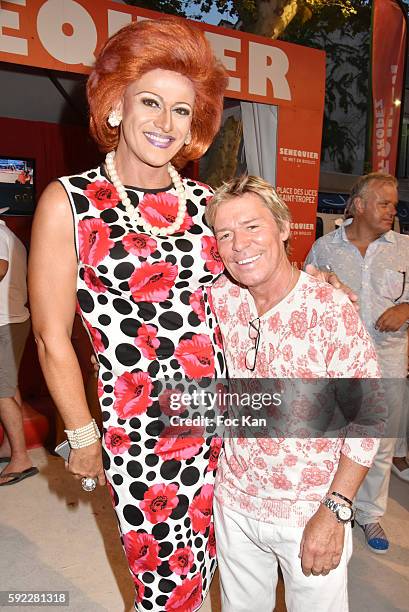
(83,436)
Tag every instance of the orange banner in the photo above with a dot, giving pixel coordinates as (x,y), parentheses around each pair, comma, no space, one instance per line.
(389,34)
(298,173)
(66,35)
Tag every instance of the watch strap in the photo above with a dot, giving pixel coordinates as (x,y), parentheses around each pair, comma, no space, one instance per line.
(336,494)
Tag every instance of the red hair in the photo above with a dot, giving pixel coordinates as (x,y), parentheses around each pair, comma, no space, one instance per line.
(169,43)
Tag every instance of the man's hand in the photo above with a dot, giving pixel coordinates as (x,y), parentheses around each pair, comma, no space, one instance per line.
(322,543)
(330,277)
(393,318)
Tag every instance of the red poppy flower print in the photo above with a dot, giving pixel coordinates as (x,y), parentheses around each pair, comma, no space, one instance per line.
(147,341)
(100,388)
(159,501)
(117,440)
(102,195)
(186,597)
(140,245)
(139,589)
(215,448)
(179,442)
(142,552)
(211,541)
(153,282)
(92,281)
(196,356)
(132,393)
(96,337)
(211,255)
(200,510)
(160,209)
(181,561)
(94,241)
(197,303)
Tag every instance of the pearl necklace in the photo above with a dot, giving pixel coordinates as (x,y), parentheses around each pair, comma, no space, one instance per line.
(132,211)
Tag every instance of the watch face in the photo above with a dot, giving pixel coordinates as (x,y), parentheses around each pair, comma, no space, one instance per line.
(344,513)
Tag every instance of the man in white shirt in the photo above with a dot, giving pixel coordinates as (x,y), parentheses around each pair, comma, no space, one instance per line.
(14,329)
(374,260)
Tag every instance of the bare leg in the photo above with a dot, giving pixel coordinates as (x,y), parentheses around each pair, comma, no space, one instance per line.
(5,448)
(12,420)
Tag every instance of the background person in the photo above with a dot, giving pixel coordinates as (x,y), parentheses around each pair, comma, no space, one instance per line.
(374,261)
(14,329)
(283,500)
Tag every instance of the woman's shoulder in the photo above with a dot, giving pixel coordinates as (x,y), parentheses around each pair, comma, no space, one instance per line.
(81,178)
(197,188)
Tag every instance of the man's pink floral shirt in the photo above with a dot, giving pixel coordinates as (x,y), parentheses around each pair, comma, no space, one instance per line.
(314,332)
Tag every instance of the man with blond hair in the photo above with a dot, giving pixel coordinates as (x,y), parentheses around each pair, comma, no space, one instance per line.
(281,499)
(373,260)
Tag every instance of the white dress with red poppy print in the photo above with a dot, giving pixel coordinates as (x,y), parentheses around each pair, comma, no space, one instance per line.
(141,300)
(314,332)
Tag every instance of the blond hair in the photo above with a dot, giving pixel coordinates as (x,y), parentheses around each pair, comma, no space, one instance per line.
(241,185)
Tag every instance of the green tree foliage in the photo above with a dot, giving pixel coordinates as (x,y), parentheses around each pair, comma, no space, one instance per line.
(172,7)
(345,40)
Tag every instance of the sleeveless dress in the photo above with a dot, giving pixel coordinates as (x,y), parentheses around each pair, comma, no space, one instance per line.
(140,297)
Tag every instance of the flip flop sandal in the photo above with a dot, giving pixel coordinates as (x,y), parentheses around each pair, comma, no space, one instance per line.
(18,476)
(5,459)
(402,474)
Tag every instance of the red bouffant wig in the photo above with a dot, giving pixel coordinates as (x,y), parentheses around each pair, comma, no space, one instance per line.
(169,43)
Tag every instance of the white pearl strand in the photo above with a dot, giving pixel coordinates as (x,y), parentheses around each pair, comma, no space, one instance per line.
(132,211)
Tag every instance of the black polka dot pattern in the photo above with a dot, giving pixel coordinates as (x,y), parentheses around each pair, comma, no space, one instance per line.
(141,300)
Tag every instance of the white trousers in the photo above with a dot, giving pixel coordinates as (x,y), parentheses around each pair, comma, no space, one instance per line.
(249,552)
(372,498)
(401,446)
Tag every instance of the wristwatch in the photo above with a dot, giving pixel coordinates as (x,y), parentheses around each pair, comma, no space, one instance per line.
(343,512)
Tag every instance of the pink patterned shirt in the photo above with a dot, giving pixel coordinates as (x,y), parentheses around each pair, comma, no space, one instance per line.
(314,332)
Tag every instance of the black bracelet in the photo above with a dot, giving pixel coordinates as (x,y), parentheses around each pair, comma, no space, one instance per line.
(342,497)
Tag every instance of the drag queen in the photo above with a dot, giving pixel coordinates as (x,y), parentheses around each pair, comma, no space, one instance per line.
(125,245)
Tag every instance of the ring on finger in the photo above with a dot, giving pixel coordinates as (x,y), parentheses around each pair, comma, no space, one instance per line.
(88,483)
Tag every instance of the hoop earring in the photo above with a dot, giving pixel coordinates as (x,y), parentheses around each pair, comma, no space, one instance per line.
(114,118)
